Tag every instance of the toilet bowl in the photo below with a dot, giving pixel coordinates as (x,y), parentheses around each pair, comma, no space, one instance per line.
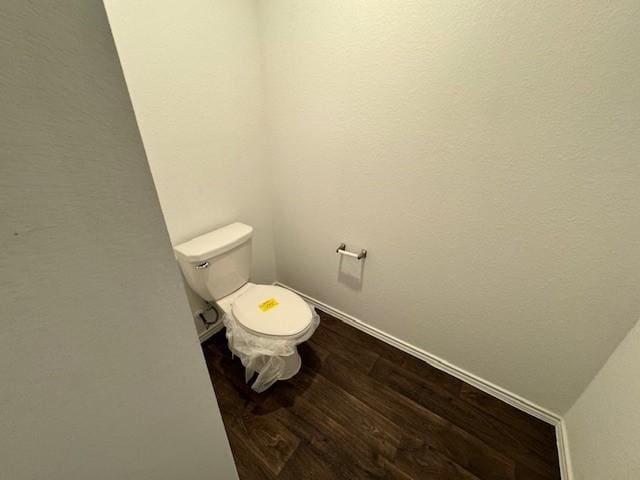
(264,322)
(290,320)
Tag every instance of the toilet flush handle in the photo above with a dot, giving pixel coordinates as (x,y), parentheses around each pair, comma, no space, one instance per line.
(201,266)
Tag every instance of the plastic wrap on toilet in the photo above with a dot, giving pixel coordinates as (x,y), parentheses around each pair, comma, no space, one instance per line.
(268,356)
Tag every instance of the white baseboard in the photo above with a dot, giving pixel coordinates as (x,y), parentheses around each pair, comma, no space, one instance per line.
(212,329)
(486,386)
(210,332)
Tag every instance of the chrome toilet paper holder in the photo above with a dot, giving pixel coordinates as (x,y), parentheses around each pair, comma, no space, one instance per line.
(342,250)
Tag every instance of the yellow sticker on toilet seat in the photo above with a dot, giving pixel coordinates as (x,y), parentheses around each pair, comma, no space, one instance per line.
(268,304)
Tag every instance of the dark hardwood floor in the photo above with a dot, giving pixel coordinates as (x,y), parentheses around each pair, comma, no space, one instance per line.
(360,408)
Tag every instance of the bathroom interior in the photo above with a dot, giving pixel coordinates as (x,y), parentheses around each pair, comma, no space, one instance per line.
(320,239)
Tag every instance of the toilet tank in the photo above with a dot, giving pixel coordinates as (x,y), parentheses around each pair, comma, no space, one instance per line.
(217,263)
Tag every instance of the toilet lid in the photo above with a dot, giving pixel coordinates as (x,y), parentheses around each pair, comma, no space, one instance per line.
(271,310)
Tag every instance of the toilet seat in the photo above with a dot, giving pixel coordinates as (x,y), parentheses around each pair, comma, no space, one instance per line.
(273,311)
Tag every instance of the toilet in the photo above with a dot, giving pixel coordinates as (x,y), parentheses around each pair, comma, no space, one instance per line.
(264,322)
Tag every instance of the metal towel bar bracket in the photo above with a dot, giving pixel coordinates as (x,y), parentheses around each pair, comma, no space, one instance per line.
(342,250)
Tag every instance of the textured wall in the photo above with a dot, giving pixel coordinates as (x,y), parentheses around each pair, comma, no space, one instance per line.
(193,70)
(604,424)
(101,375)
(486,153)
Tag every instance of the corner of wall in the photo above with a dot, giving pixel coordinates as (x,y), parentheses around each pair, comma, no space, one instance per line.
(564,450)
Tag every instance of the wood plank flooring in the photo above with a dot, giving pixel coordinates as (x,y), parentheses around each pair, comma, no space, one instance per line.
(361,409)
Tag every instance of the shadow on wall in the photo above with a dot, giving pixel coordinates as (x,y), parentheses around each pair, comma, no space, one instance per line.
(351,272)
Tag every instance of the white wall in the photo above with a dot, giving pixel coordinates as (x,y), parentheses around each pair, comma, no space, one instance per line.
(101,373)
(193,70)
(486,153)
(604,424)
